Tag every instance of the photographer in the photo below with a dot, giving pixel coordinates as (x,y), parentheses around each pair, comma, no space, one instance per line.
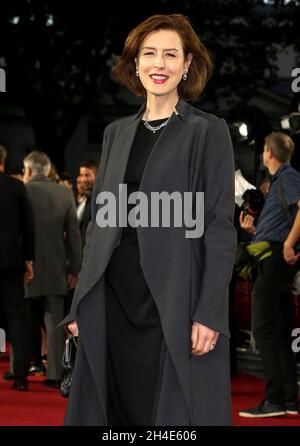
(279,225)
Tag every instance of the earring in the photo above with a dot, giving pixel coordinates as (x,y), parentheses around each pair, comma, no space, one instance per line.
(184,77)
(137,73)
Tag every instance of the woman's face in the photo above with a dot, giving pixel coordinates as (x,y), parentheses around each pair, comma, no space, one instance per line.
(161,62)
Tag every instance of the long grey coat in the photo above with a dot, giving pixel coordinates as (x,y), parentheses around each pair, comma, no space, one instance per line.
(188,278)
(57,245)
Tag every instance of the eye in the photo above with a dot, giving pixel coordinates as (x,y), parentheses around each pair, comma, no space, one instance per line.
(148,53)
(171,54)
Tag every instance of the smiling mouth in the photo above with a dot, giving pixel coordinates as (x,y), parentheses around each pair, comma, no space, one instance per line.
(159,78)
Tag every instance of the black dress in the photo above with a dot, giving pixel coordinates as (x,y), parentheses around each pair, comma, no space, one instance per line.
(135,341)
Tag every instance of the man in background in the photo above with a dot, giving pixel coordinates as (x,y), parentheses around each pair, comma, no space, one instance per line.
(57,255)
(87,175)
(16,258)
(279,225)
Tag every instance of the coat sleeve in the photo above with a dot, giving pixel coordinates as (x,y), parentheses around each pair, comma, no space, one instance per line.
(88,238)
(218,244)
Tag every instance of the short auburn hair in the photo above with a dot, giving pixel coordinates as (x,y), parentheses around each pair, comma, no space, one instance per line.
(200,68)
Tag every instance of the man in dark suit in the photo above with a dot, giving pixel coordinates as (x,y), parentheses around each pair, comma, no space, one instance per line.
(57,254)
(16,257)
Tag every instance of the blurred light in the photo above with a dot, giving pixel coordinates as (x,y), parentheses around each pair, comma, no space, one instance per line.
(243,129)
(291,122)
(49,21)
(239,131)
(15,20)
(272,2)
(285,122)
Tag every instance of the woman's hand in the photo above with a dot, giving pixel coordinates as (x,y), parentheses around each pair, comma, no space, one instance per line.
(203,338)
(73,328)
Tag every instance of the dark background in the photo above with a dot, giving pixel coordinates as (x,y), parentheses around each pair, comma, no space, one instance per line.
(57,58)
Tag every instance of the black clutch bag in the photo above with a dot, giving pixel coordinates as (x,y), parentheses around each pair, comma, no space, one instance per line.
(68,362)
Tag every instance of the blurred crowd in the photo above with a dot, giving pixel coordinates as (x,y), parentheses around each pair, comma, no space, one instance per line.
(42,235)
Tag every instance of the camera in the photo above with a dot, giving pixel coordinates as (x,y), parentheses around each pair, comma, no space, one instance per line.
(253,202)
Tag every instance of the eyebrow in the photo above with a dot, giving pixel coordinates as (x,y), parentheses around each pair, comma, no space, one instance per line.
(151,48)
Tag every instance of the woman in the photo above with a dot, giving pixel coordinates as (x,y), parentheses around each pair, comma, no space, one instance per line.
(151,303)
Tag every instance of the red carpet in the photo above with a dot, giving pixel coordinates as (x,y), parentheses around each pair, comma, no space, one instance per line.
(41,406)
(247,392)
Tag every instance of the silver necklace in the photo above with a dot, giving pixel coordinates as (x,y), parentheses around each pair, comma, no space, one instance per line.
(156,128)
